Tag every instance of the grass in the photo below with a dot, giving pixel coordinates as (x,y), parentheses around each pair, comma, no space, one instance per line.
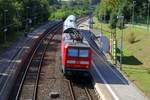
(141,77)
(137,54)
(143,25)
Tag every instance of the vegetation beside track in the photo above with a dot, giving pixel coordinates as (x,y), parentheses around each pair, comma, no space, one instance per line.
(65,8)
(15,16)
(136,58)
(11,40)
(108,9)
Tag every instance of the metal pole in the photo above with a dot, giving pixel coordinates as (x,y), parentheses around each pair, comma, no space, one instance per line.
(18,16)
(133,14)
(43,16)
(121,44)
(121,39)
(5,23)
(101,24)
(148,15)
(34,19)
(91,22)
(104,16)
(26,28)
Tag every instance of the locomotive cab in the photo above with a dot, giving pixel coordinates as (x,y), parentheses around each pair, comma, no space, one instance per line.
(76,54)
(78,59)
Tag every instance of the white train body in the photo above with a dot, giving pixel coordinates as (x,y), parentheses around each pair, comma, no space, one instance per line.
(70,22)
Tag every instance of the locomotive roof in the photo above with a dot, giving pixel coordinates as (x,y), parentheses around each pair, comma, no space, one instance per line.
(68,41)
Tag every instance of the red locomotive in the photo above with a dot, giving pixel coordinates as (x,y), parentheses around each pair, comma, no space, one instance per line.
(76,53)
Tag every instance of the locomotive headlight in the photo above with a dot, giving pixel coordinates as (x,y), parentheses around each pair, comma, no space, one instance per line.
(71,61)
(84,62)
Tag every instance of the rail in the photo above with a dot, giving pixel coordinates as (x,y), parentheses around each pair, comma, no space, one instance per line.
(5,82)
(73,94)
(26,73)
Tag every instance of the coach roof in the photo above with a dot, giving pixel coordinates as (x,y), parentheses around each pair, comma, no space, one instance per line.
(70,22)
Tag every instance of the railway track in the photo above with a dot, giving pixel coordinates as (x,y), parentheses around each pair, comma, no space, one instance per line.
(53,85)
(33,84)
(80,91)
(82,19)
(28,87)
(81,88)
(88,93)
(11,69)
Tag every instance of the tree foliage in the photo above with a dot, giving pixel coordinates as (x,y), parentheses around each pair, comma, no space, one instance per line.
(75,7)
(122,7)
(7,9)
(15,14)
(18,14)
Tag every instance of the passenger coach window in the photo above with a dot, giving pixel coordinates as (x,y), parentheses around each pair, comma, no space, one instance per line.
(73,52)
(83,53)
(71,20)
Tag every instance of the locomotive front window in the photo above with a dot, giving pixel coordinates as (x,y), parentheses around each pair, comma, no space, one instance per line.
(83,53)
(73,52)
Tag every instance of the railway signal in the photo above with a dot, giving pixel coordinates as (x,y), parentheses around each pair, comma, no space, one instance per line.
(121,18)
(114,50)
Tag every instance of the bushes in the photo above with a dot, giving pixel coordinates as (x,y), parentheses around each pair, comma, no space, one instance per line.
(66,11)
(132,38)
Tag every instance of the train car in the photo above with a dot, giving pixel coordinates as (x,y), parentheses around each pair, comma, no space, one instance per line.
(70,22)
(76,53)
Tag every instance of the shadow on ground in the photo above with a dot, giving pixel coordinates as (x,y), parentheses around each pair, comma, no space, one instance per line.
(130,60)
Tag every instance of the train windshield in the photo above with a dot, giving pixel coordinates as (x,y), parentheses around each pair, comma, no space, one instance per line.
(76,52)
(73,52)
(83,53)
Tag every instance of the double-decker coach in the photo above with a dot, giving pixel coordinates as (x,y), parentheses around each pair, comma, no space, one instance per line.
(75,50)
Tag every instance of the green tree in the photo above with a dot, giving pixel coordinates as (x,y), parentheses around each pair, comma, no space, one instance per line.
(14,13)
(123,7)
(7,15)
(36,8)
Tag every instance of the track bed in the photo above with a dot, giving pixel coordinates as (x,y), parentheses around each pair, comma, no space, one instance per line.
(52,85)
